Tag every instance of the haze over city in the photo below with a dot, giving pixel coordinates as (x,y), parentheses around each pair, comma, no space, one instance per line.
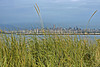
(62,13)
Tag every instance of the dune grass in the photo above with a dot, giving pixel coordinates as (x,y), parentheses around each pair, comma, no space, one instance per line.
(48,51)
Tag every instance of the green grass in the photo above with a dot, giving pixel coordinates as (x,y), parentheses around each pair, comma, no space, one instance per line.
(48,51)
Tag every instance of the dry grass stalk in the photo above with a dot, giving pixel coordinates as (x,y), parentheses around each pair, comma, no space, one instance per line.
(38,12)
(91,18)
(37,7)
(92,15)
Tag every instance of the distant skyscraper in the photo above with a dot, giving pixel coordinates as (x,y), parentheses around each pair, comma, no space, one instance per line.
(54,26)
(37,30)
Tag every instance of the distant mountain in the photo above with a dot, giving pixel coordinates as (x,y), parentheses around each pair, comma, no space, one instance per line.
(9,27)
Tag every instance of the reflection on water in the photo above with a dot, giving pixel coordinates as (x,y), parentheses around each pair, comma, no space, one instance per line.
(31,36)
(90,38)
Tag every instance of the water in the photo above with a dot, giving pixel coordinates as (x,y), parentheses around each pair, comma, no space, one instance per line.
(91,38)
(82,36)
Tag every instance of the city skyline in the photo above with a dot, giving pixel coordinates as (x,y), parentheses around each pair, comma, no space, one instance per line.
(53,31)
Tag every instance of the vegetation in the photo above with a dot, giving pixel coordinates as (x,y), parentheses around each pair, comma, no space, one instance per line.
(48,51)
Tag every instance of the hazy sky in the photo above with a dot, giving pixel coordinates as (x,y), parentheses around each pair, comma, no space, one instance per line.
(61,12)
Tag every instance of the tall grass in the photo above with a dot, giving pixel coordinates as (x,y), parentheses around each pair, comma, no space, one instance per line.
(48,51)
(91,18)
(92,15)
(39,14)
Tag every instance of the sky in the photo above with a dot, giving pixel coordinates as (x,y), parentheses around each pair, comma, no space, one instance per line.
(59,12)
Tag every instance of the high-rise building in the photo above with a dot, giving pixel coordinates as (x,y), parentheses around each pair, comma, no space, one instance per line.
(37,30)
(54,26)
